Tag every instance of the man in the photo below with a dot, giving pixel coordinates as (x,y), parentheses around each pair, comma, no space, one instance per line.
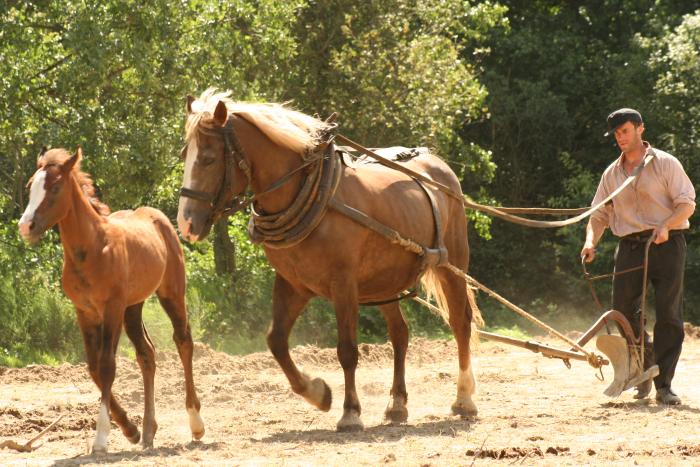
(657,204)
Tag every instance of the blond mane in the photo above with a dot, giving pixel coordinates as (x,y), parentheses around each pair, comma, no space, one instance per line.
(58,156)
(284,126)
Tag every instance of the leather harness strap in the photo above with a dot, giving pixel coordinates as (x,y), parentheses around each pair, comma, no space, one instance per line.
(294,224)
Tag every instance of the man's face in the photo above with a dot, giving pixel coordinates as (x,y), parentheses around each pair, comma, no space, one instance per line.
(628,136)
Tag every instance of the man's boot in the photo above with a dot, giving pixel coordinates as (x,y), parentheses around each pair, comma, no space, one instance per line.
(667,396)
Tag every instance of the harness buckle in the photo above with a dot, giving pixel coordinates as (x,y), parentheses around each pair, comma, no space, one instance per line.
(435,256)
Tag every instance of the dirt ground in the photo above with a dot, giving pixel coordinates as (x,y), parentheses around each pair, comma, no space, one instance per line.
(532,411)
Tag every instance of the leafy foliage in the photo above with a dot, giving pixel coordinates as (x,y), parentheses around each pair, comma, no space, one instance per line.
(513,94)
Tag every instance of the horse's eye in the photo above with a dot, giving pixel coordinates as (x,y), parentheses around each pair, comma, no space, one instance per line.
(206,160)
(55,189)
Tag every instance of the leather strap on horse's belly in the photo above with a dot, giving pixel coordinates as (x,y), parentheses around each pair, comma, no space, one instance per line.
(436,256)
(431,256)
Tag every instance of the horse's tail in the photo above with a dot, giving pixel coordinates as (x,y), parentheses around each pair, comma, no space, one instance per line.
(433,290)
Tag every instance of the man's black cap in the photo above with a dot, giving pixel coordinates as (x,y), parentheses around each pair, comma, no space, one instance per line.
(620,117)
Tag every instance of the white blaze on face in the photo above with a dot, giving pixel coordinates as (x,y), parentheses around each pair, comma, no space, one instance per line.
(37,193)
(190,159)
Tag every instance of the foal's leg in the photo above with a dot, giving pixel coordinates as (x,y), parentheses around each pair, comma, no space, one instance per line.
(344,293)
(101,339)
(460,316)
(145,356)
(396,411)
(174,306)
(287,304)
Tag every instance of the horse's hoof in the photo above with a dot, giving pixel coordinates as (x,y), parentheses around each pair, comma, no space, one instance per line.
(99,450)
(197,435)
(464,409)
(396,415)
(350,423)
(319,394)
(147,444)
(396,411)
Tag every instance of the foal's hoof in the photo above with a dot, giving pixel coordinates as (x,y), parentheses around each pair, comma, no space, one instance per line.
(319,394)
(133,438)
(350,423)
(197,435)
(464,408)
(196,423)
(149,432)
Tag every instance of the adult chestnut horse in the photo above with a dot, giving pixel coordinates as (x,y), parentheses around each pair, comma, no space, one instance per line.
(112,263)
(340,260)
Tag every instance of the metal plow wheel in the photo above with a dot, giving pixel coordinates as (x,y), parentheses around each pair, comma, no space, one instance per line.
(625,361)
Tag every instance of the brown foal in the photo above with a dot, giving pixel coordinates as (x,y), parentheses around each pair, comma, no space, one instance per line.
(112,264)
(340,259)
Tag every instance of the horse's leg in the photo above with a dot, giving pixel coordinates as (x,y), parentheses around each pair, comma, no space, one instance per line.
(396,411)
(175,307)
(460,316)
(287,305)
(101,339)
(344,294)
(145,356)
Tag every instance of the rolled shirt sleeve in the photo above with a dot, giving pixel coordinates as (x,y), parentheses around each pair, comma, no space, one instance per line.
(602,215)
(680,188)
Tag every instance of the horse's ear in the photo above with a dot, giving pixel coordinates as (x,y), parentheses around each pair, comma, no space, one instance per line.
(75,158)
(221,114)
(188,104)
(40,157)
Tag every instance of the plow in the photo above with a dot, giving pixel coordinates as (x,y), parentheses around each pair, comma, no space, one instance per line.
(623,351)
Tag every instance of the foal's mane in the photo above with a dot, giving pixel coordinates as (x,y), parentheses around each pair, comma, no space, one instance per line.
(59,156)
(284,126)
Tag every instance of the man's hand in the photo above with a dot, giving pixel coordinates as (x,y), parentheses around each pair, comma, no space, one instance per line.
(588,252)
(661,233)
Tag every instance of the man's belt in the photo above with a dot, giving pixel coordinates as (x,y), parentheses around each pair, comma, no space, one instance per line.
(644,235)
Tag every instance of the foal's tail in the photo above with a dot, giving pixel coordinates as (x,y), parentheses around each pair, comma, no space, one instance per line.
(433,289)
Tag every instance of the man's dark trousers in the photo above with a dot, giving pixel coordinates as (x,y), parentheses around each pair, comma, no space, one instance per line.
(665,272)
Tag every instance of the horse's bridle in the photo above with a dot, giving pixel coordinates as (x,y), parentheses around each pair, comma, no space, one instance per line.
(224,203)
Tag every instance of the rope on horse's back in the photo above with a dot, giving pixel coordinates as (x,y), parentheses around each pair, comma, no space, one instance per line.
(503,213)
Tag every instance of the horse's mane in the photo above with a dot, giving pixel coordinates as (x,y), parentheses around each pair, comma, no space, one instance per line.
(59,156)
(284,126)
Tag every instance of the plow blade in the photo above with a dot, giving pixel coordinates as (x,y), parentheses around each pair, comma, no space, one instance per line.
(626,365)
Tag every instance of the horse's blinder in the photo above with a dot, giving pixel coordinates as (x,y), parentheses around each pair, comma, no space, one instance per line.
(224,203)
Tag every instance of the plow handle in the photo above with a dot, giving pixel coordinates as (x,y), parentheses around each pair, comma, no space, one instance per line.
(610,316)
